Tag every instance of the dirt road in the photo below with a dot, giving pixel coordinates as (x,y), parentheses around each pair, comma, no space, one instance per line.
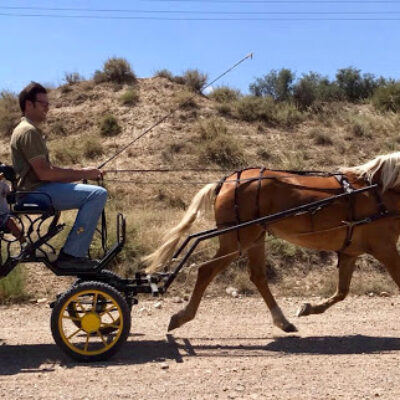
(230,351)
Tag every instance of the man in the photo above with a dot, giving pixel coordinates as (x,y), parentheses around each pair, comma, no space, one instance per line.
(35,172)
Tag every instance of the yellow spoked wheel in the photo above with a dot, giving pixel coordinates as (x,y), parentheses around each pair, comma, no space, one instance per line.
(75,312)
(99,325)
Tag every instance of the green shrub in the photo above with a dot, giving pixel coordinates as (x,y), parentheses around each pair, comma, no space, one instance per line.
(12,287)
(109,126)
(252,108)
(218,146)
(360,128)
(99,77)
(276,84)
(73,77)
(164,73)
(194,79)
(313,89)
(9,112)
(186,100)
(288,115)
(58,128)
(224,109)
(354,85)
(116,70)
(387,98)
(179,79)
(322,139)
(92,148)
(65,151)
(224,94)
(129,98)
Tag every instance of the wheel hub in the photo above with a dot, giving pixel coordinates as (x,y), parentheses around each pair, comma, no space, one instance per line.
(90,322)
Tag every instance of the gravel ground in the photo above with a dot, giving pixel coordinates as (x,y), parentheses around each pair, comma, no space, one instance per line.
(230,351)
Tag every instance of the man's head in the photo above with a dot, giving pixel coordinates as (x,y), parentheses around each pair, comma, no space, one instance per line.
(34,103)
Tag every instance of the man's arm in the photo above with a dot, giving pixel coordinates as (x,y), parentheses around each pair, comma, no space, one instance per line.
(47,172)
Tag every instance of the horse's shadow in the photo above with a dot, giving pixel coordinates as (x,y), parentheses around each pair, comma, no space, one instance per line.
(44,358)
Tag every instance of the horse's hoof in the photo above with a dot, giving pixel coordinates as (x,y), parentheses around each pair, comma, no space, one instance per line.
(304,309)
(290,328)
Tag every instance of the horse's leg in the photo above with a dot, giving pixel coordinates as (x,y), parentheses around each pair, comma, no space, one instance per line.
(388,255)
(346,265)
(259,278)
(205,275)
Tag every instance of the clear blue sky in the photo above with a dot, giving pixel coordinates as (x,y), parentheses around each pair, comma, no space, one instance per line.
(43,49)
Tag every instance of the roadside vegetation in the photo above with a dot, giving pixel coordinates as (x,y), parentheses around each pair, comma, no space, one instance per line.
(305,122)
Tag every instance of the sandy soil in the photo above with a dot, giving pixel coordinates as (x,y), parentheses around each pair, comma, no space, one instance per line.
(230,351)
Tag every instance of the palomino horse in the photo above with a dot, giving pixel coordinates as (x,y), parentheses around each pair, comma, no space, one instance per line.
(366,222)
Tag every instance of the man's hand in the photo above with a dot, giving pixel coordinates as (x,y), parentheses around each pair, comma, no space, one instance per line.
(92,173)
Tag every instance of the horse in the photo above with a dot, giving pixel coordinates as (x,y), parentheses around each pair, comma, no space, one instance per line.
(366,222)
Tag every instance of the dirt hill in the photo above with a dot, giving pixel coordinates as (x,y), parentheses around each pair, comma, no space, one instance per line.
(206,134)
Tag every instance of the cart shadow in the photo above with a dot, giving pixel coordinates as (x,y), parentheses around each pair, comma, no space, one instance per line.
(44,358)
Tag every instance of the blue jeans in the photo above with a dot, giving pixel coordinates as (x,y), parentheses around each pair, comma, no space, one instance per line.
(88,199)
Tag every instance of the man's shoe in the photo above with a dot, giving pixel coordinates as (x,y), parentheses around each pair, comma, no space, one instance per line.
(66,261)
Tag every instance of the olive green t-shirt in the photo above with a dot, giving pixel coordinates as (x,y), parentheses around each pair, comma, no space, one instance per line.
(27,143)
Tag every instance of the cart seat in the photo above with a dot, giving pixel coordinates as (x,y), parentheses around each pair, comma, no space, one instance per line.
(22,203)
(30,207)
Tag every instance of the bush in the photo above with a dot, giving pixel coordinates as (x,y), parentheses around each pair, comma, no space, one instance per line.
(276,84)
(288,115)
(355,86)
(73,77)
(115,70)
(224,94)
(194,79)
(313,88)
(224,109)
(109,126)
(65,151)
(252,108)
(58,128)
(321,138)
(164,73)
(179,80)
(218,146)
(12,287)
(387,98)
(186,100)
(92,148)
(99,77)
(9,112)
(129,98)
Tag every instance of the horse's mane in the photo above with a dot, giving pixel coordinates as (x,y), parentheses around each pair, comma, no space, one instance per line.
(388,165)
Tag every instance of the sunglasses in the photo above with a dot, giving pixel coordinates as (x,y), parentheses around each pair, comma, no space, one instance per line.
(45,103)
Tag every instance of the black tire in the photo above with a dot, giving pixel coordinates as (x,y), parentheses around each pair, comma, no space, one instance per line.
(74,313)
(98,303)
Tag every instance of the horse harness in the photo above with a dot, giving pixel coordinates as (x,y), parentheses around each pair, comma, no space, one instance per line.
(345,187)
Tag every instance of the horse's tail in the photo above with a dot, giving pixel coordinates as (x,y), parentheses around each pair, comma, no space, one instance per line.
(203,200)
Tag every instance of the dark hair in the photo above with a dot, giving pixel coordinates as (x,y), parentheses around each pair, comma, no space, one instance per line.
(29,93)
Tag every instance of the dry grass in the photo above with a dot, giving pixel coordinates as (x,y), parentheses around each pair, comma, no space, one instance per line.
(9,113)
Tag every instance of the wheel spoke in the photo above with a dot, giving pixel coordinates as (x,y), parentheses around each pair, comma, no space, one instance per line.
(79,304)
(101,337)
(104,325)
(94,304)
(112,317)
(71,318)
(87,342)
(70,336)
(107,310)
